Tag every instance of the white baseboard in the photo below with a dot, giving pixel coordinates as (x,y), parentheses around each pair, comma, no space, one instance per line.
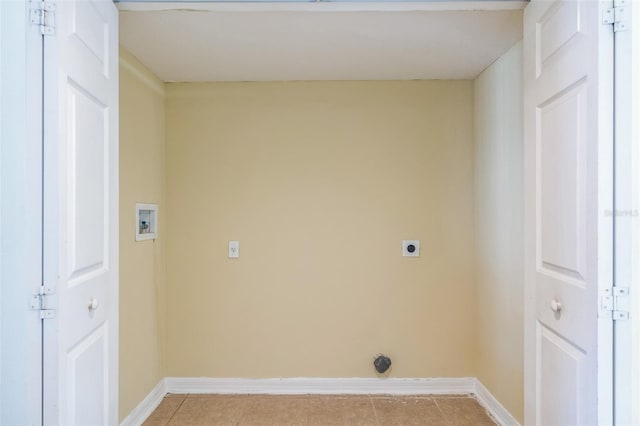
(296,386)
(493,406)
(320,386)
(139,414)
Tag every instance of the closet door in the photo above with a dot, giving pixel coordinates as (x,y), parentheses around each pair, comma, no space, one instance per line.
(568,202)
(81,208)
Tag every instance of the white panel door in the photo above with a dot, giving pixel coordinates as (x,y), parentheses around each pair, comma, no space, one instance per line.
(568,193)
(81,201)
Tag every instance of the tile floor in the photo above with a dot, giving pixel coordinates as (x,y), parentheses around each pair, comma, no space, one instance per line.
(318,410)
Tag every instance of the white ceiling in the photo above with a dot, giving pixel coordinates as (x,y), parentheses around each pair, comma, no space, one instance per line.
(317,42)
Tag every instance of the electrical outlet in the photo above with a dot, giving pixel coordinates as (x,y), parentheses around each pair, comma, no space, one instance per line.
(234,249)
(411,248)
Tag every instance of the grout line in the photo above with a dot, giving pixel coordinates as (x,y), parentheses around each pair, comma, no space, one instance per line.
(375,413)
(436,402)
(444,416)
(244,408)
(177,409)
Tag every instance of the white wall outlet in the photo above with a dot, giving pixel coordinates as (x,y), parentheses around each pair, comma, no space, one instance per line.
(411,248)
(234,249)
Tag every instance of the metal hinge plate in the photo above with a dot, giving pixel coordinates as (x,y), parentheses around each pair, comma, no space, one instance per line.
(43,14)
(38,302)
(619,16)
(614,301)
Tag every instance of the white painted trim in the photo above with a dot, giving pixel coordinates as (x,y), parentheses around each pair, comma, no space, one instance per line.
(322,386)
(493,406)
(139,414)
(146,6)
(625,216)
(299,385)
(21,194)
(156,85)
(635,278)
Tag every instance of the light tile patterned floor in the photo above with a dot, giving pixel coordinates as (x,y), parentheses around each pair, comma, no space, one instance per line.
(318,410)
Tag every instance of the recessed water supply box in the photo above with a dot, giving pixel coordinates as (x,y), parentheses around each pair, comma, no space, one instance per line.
(146,221)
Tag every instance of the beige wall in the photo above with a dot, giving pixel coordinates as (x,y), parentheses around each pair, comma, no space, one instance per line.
(320,182)
(499,229)
(142,276)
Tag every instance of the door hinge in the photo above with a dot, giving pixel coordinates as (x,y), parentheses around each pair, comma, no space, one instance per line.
(39,302)
(619,16)
(615,302)
(43,14)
